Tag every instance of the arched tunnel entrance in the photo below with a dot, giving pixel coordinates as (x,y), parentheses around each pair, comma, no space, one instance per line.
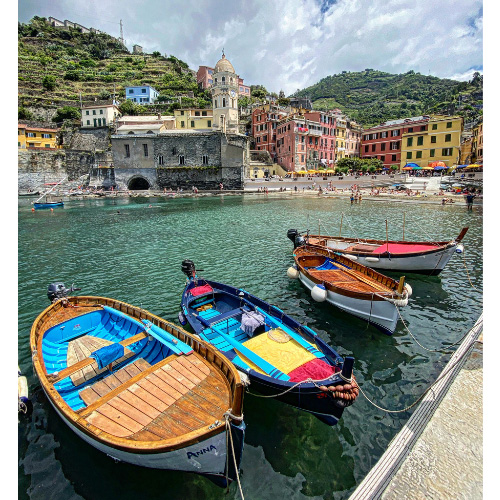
(138,184)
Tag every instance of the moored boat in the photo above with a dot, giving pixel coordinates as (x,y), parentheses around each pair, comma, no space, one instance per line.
(281,357)
(51,204)
(424,257)
(139,388)
(350,286)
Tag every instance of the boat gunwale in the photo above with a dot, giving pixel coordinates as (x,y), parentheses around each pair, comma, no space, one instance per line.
(215,359)
(366,271)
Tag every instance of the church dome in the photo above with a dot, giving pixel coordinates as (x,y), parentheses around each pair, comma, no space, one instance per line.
(224,65)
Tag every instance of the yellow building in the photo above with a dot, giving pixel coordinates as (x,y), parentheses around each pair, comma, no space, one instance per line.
(477,143)
(36,137)
(439,142)
(340,138)
(193,119)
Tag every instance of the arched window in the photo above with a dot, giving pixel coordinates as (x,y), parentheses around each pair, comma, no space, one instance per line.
(181,159)
(215,102)
(223,102)
(223,79)
(131,133)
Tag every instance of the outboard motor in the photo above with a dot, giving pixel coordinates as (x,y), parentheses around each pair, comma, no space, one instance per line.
(295,237)
(188,268)
(59,291)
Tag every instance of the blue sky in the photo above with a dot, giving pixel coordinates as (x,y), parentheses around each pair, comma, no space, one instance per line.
(292,44)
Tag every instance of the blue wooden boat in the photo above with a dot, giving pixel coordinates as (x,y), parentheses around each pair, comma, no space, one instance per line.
(53,204)
(138,388)
(281,357)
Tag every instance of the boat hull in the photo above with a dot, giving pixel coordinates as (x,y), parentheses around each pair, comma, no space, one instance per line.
(40,206)
(207,457)
(380,313)
(431,263)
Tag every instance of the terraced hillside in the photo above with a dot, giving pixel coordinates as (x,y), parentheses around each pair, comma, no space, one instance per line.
(56,66)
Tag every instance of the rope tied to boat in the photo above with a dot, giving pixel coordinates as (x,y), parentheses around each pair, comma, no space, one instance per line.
(227,415)
(21,407)
(466,270)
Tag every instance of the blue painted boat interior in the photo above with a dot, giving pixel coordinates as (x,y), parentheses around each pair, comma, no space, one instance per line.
(101,324)
(327,265)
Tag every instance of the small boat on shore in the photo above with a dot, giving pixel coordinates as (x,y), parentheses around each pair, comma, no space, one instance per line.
(424,257)
(281,357)
(139,388)
(48,204)
(350,286)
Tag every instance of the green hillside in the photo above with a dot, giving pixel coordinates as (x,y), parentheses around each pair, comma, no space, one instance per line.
(56,65)
(372,97)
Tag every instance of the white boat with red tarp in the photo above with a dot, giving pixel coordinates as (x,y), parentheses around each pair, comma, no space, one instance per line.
(424,257)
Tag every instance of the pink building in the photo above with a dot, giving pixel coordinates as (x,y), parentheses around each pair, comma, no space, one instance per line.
(205,80)
(264,122)
(326,146)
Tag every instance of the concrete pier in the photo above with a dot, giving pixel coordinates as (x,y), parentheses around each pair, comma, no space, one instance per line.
(439,452)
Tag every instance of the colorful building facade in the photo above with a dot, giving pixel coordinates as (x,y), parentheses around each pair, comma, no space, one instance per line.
(141,95)
(205,79)
(193,119)
(477,143)
(32,137)
(99,116)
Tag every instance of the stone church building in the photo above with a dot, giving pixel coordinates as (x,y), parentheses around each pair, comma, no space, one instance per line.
(188,158)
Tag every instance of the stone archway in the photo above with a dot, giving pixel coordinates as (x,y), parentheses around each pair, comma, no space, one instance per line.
(138,183)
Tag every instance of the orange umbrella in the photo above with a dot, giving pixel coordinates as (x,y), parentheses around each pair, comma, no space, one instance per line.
(437,164)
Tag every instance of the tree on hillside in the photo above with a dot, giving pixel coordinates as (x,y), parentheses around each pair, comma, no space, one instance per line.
(24,114)
(49,82)
(66,113)
(128,108)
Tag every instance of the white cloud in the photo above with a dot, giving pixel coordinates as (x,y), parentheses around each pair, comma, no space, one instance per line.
(291,44)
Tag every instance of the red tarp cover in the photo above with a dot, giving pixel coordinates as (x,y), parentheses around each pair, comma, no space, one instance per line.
(316,369)
(395,248)
(200,290)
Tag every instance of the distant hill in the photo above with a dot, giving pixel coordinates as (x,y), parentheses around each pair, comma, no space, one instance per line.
(371,97)
(56,65)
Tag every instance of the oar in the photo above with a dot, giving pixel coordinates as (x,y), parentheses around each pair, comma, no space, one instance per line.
(264,365)
(162,336)
(295,336)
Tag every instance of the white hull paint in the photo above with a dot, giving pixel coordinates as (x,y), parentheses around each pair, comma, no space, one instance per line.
(379,312)
(432,263)
(205,457)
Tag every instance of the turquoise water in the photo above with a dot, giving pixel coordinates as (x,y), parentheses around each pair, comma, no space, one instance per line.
(135,256)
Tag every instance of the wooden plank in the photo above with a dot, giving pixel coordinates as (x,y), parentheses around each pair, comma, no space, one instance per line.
(120,418)
(153,389)
(130,411)
(101,388)
(186,362)
(170,423)
(89,396)
(186,372)
(164,433)
(112,381)
(145,435)
(142,364)
(107,425)
(146,396)
(125,385)
(164,386)
(132,370)
(169,369)
(191,410)
(122,375)
(206,405)
(138,404)
(175,384)
(204,390)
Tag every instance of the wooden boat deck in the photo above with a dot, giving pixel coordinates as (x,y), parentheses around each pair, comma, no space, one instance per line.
(350,280)
(149,403)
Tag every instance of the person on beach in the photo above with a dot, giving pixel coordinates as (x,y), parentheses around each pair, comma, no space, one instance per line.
(352,198)
(470,200)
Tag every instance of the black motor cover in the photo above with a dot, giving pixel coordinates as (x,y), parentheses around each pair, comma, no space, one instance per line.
(295,237)
(57,291)
(188,268)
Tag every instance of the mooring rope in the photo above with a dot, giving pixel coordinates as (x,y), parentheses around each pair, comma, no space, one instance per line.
(309,380)
(228,415)
(444,372)
(467,271)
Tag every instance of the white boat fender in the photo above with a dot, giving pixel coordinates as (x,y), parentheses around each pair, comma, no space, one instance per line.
(292,273)
(24,405)
(182,318)
(409,290)
(319,293)
(460,248)
(400,302)
(372,259)
(352,257)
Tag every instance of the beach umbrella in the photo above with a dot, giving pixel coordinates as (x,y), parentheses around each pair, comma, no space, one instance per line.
(461,166)
(474,165)
(410,165)
(437,164)
(417,167)
(439,167)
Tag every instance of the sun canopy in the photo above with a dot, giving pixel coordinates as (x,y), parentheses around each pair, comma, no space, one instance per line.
(439,167)
(473,166)
(435,164)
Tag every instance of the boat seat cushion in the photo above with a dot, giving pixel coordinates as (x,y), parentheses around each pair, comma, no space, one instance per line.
(200,290)
(402,248)
(317,369)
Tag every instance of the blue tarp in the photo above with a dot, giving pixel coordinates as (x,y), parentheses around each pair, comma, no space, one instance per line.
(106,355)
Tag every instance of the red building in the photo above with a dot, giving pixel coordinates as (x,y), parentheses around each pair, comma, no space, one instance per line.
(264,122)
(384,141)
